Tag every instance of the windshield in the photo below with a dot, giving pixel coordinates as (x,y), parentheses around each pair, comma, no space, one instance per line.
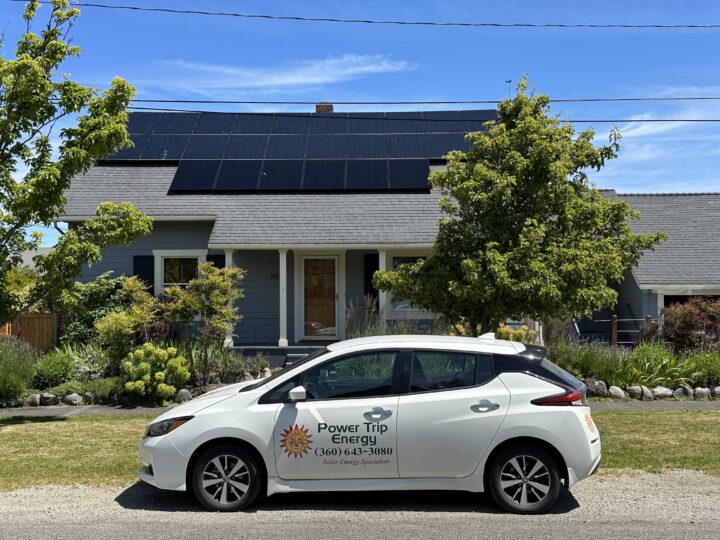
(286,369)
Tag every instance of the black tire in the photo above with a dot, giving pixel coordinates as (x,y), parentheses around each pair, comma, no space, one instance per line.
(542,488)
(224,491)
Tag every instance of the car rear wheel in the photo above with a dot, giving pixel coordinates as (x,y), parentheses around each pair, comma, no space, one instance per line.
(226,478)
(524,480)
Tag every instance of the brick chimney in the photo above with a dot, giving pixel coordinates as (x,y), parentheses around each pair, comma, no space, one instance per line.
(324,108)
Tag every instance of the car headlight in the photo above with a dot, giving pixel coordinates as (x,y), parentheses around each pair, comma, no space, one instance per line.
(166,426)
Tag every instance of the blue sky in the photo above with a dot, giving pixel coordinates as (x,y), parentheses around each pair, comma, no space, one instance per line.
(211,57)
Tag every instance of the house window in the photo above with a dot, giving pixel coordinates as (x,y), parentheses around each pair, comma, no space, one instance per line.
(404,306)
(179,270)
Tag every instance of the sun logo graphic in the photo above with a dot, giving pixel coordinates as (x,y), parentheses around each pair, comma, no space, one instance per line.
(295,441)
(590,423)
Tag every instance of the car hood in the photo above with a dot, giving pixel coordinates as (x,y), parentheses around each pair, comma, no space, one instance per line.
(203,401)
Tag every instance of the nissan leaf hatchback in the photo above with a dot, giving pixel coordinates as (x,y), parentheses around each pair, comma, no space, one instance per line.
(384,413)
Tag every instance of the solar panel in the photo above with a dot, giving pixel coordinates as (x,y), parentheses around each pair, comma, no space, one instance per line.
(253,123)
(409,174)
(238,175)
(206,147)
(366,174)
(290,124)
(139,142)
(474,120)
(142,122)
(246,146)
(367,146)
(329,175)
(407,146)
(440,144)
(165,147)
(282,174)
(176,123)
(195,175)
(442,121)
(214,123)
(329,123)
(327,146)
(286,147)
(404,122)
(367,123)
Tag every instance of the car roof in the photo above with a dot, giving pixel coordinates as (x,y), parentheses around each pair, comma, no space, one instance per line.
(485,343)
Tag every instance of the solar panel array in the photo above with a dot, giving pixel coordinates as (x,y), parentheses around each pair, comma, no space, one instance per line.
(242,152)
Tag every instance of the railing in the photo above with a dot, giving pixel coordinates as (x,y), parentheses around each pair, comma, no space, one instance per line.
(648,326)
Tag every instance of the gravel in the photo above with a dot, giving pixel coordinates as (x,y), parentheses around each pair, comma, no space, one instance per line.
(675,504)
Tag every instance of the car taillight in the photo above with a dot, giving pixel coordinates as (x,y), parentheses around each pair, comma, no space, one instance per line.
(569,397)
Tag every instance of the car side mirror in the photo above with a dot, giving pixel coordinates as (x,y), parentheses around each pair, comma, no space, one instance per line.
(297,394)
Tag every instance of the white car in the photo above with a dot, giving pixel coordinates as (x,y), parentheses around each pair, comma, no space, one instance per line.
(384,413)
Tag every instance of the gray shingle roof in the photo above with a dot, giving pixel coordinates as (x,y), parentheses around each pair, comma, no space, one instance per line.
(691,254)
(280,219)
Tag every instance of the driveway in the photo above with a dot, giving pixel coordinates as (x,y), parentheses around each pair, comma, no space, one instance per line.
(673,505)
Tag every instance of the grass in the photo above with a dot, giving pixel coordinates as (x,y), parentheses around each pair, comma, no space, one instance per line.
(102,450)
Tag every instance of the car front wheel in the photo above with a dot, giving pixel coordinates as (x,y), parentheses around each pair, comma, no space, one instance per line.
(226,478)
(524,480)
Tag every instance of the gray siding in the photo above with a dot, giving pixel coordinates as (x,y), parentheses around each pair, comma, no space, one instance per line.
(354,276)
(165,235)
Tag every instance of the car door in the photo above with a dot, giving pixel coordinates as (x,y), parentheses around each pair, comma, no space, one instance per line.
(347,427)
(451,414)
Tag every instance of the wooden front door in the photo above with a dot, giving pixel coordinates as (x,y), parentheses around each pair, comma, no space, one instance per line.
(320,297)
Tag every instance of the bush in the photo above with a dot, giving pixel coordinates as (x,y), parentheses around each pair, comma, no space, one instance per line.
(105,391)
(17,367)
(692,324)
(522,334)
(89,360)
(154,372)
(54,368)
(705,364)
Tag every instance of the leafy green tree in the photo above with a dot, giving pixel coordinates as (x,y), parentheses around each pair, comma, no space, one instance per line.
(34,172)
(209,300)
(525,231)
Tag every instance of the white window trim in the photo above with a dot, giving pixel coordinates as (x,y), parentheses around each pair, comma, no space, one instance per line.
(160,254)
(410,314)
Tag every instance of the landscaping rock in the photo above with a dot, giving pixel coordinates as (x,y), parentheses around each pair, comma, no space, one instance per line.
(635,392)
(716,391)
(661,392)
(265,373)
(702,393)
(246,376)
(73,399)
(616,392)
(183,395)
(601,388)
(596,388)
(683,392)
(49,399)
(33,400)
(647,395)
(88,397)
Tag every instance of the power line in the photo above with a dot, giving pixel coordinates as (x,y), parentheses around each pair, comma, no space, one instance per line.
(406,102)
(304,115)
(388,21)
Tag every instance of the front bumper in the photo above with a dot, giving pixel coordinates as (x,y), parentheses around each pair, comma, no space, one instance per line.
(163,466)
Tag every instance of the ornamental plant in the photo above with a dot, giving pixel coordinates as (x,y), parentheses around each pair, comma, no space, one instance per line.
(154,372)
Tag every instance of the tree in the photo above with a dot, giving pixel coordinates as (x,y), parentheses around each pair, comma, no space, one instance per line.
(210,300)
(34,172)
(525,231)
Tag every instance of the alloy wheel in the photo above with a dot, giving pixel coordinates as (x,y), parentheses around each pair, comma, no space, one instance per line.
(225,479)
(525,481)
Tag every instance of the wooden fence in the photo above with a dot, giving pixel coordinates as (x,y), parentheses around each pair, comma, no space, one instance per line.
(39,330)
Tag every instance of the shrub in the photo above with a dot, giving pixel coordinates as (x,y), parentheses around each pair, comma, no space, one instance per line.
(154,372)
(17,367)
(522,334)
(54,368)
(704,365)
(365,321)
(104,391)
(89,359)
(692,324)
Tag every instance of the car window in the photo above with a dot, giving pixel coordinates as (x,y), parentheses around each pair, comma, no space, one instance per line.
(432,370)
(280,392)
(361,375)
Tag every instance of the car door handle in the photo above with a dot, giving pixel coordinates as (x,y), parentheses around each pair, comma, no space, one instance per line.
(484,406)
(377,414)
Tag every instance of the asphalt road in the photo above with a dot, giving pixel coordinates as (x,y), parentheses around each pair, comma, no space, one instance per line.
(681,504)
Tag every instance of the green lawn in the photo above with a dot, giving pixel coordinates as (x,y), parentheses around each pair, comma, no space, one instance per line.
(102,450)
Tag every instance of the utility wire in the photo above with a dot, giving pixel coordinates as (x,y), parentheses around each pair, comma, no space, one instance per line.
(449,102)
(387,21)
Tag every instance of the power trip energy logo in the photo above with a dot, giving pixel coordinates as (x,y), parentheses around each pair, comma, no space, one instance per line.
(295,441)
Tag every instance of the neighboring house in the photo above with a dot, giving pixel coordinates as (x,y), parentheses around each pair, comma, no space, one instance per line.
(686,264)
(311,205)
(27,256)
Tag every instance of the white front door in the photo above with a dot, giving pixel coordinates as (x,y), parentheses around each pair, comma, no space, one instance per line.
(347,428)
(451,415)
(320,297)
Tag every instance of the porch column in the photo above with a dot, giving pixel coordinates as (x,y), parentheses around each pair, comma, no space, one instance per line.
(229,341)
(283,341)
(382,295)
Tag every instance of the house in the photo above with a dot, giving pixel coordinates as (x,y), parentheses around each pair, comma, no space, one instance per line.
(311,205)
(686,264)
